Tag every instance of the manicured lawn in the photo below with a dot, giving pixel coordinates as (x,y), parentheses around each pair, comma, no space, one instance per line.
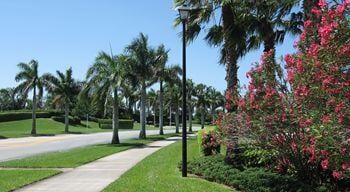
(14,179)
(45,126)
(78,156)
(159,172)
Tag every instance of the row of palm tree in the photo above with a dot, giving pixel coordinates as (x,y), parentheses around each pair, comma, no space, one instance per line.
(123,81)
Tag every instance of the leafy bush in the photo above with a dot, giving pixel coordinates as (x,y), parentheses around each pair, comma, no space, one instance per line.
(305,117)
(72,120)
(15,116)
(213,168)
(123,123)
(106,126)
(257,157)
(210,142)
(126,124)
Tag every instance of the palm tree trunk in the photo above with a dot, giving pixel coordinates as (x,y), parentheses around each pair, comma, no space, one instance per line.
(66,117)
(105,108)
(33,132)
(231,60)
(190,118)
(177,119)
(154,115)
(143,112)
(212,114)
(115,137)
(202,118)
(231,73)
(161,131)
(170,116)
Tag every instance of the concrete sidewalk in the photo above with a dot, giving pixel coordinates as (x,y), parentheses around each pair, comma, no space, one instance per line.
(95,176)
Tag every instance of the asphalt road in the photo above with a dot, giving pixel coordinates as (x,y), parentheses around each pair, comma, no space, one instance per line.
(28,146)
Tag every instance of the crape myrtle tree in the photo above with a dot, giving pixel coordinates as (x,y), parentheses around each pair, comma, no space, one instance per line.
(64,89)
(30,80)
(308,126)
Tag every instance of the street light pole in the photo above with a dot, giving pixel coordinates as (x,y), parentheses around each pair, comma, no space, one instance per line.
(184,106)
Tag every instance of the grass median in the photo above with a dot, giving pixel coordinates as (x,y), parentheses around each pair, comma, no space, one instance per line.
(14,179)
(78,156)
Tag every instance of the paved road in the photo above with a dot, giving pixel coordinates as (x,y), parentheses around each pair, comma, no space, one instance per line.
(28,146)
(22,147)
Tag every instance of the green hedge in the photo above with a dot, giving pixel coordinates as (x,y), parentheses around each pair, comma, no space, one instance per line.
(123,123)
(213,168)
(72,120)
(15,116)
(106,126)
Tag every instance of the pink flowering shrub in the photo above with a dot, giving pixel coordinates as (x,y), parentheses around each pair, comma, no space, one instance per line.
(210,142)
(309,125)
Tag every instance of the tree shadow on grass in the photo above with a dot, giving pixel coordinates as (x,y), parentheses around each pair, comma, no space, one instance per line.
(43,135)
(3,137)
(124,145)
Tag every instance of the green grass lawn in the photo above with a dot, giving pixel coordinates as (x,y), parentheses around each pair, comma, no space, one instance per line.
(76,157)
(45,126)
(159,172)
(49,127)
(14,179)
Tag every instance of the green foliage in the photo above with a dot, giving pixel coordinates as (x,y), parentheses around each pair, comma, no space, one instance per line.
(213,168)
(123,123)
(258,157)
(15,116)
(72,120)
(106,126)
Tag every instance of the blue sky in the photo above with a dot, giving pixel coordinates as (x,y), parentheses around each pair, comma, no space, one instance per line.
(65,33)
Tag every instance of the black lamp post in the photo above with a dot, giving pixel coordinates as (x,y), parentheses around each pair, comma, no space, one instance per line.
(184,12)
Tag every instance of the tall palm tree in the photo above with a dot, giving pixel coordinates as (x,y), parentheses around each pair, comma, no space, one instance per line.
(153,98)
(64,88)
(173,95)
(168,74)
(224,28)
(30,80)
(104,78)
(270,21)
(143,61)
(190,101)
(215,100)
(202,102)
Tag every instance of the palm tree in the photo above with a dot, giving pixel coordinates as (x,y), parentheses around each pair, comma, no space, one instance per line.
(30,80)
(201,105)
(104,78)
(64,88)
(173,95)
(215,100)
(153,98)
(227,32)
(143,61)
(169,74)
(190,93)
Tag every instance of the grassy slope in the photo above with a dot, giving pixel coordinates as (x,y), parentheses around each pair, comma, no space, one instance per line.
(14,179)
(159,172)
(45,126)
(76,157)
